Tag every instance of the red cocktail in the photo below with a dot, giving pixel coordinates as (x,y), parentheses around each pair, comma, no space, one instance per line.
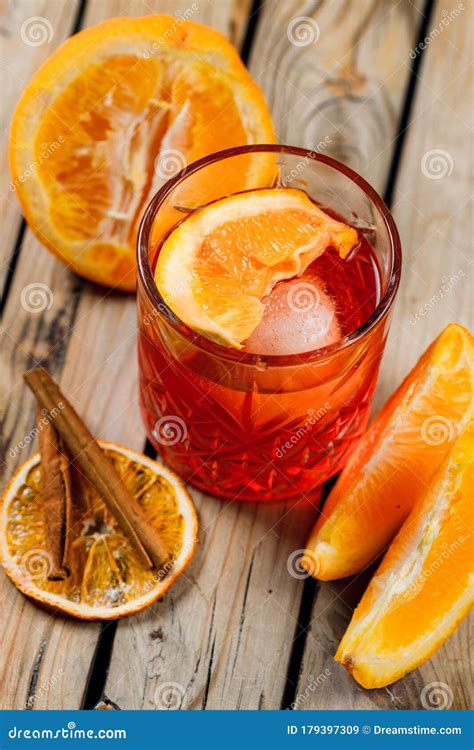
(277,418)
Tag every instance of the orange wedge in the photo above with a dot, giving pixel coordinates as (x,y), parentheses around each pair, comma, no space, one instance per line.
(106,580)
(116,111)
(396,460)
(215,267)
(425,584)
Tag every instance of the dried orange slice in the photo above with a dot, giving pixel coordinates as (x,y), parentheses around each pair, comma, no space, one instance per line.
(111,115)
(215,267)
(396,459)
(425,584)
(106,580)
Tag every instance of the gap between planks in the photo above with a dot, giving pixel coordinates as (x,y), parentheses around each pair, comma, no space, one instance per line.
(14,257)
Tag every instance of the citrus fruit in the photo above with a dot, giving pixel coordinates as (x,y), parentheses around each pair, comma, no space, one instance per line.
(396,459)
(216,265)
(110,116)
(425,584)
(106,580)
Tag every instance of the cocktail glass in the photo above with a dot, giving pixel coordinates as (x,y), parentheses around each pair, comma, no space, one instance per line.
(251,426)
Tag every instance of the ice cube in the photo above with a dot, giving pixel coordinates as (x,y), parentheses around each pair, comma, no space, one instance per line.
(299,316)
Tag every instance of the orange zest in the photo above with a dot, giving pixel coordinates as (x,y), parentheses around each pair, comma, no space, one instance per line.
(396,460)
(425,584)
(216,266)
(116,111)
(107,581)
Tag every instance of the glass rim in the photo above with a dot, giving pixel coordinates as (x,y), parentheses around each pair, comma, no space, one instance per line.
(236,355)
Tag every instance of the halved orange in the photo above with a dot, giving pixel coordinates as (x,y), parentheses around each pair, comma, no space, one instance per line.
(396,459)
(215,267)
(106,581)
(425,584)
(110,116)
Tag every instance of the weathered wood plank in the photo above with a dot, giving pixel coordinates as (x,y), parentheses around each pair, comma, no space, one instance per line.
(432,201)
(227,16)
(432,210)
(433,218)
(221,622)
(29,31)
(88,341)
(237,654)
(222,636)
(35,642)
(335,73)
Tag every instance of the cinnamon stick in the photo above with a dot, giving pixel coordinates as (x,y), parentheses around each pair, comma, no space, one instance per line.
(86,453)
(56,498)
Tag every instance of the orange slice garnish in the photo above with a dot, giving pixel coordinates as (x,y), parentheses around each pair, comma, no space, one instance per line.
(116,111)
(215,267)
(106,581)
(396,459)
(425,584)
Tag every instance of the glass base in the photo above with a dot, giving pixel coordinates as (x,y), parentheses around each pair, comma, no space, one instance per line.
(243,474)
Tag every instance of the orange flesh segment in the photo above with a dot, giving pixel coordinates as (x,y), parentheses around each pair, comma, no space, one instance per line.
(396,459)
(102,176)
(93,178)
(216,266)
(425,584)
(117,110)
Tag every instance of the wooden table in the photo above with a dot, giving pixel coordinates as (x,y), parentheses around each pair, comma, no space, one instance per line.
(238,632)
